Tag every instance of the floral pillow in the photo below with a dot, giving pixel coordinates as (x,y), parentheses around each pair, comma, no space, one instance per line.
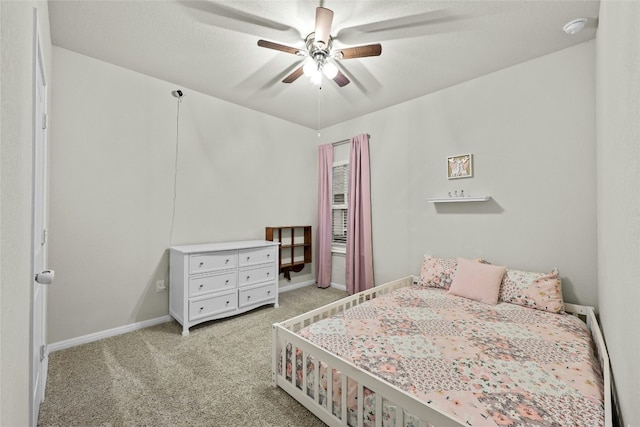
(542,291)
(437,272)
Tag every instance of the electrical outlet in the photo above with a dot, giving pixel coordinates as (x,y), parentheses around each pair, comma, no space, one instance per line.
(160,286)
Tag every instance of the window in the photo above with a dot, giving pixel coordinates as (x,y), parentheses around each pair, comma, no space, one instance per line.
(339,207)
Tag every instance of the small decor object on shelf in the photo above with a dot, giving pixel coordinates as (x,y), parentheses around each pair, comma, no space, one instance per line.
(460,166)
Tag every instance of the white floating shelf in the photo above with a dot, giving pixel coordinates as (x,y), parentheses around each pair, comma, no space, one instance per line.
(458,199)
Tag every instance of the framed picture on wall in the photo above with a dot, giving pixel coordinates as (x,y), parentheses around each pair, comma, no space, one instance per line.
(460,166)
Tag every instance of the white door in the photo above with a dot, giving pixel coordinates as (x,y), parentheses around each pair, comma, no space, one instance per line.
(39,358)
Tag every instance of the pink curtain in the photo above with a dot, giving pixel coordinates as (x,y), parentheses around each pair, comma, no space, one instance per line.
(359,259)
(323,232)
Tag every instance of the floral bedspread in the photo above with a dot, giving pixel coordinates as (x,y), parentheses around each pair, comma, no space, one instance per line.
(503,365)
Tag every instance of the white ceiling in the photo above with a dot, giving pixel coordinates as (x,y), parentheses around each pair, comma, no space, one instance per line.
(211,46)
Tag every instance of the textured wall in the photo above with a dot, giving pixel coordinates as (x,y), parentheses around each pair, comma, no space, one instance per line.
(112,176)
(531,130)
(618,148)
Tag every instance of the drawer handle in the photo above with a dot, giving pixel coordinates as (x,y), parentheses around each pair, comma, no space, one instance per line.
(248,258)
(268,255)
(248,296)
(267,273)
(226,261)
(201,264)
(268,292)
(248,277)
(201,308)
(227,302)
(226,281)
(201,286)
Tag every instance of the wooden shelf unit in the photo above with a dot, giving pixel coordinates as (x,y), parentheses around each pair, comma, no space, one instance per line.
(295,247)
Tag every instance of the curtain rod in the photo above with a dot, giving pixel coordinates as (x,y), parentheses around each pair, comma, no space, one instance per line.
(345,141)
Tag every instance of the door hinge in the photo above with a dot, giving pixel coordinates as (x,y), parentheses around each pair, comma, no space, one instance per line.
(44,120)
(44,237)
(43,351)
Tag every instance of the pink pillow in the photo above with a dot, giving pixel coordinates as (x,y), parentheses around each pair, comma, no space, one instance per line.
(477,281)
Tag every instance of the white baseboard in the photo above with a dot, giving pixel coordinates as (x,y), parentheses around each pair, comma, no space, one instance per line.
(288,288)
(61,345)
(339,286)
(309,283)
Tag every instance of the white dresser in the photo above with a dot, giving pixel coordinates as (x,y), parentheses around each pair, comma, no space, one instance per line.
(215,280)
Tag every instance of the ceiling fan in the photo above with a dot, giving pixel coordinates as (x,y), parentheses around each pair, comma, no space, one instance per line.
(320,52)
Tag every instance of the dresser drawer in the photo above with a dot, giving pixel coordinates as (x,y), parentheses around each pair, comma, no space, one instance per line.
(258,294)
(211,261)
(249,276)
(219,303)
(199,285)
(256,256)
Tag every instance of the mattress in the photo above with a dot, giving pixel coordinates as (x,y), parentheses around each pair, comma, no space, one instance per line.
(485,365)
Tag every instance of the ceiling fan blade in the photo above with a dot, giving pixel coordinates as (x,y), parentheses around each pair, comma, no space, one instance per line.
(435,21)
(359,51)
(278,46)
(293,76)
(222,15)
(341,79)
(324,18)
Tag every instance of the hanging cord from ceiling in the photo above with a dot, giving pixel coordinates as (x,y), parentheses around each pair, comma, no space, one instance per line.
(178,94)
(319,95)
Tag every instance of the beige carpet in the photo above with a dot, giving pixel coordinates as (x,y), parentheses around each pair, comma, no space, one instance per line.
(217,376)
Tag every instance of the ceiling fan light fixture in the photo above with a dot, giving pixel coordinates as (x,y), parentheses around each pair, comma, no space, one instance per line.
(310,68)
(330,70)
(316,79)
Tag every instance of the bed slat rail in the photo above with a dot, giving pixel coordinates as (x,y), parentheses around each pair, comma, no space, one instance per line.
(601,353)
(295,324)
(403,401)
(399,401)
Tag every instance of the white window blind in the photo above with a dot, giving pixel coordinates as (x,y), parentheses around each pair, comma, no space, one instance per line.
(339,205)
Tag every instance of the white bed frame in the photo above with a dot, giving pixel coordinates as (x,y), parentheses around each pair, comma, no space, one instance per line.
(286,333)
